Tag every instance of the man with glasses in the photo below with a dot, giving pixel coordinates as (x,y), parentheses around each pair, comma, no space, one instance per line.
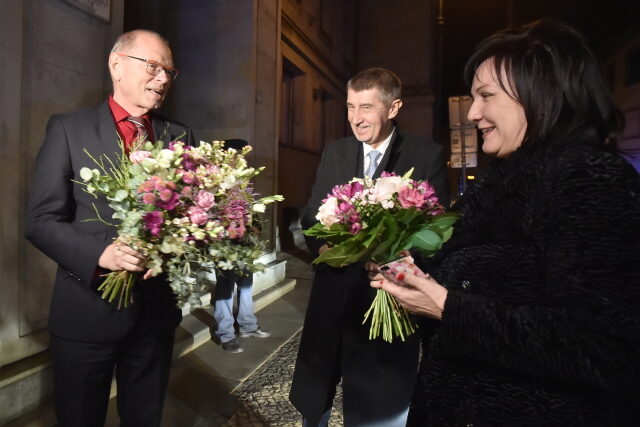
(377,377)
(91,338)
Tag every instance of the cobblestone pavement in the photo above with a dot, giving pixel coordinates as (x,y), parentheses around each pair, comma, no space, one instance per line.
(263,399)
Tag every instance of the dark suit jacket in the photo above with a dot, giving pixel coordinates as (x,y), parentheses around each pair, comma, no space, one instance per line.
(334,339)
(56,224)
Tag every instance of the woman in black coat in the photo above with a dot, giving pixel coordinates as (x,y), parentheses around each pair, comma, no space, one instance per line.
(532,310)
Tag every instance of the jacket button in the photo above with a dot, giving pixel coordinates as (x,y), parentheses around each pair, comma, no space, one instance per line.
(466,285)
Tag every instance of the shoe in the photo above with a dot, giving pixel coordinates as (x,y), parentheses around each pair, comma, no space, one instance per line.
(258,333)
(232,346)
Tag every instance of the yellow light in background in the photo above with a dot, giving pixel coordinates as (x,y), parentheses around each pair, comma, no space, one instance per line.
(471,177)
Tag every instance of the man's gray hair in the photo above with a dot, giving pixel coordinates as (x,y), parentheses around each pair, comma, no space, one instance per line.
(125,40)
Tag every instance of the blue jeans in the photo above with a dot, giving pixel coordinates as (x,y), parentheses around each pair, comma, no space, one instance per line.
(223,304)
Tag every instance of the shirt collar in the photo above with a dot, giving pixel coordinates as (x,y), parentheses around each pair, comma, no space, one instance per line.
(382,148)
(119,113)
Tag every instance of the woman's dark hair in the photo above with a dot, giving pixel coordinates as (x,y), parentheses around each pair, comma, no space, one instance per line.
(554,75)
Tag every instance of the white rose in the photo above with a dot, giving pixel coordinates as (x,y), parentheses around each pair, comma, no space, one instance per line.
(259,207)
(165,157)
(386,187)
(327,212)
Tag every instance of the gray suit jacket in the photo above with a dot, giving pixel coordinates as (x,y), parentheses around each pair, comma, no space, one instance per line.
(56,224)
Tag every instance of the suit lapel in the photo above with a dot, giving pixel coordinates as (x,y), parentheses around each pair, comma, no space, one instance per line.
(106,131)
(388,161)
(354,158)
(160,131)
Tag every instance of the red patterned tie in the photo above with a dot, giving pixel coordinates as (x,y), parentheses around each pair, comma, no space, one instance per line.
(142,135)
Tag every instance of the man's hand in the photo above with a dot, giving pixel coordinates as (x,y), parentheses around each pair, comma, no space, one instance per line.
(117,257)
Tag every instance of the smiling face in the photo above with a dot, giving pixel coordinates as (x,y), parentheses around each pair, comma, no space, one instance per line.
(499,117)
(133,88)
(369,117)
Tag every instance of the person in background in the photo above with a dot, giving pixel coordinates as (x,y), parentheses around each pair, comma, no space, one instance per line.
(531,309)
(377,377)
(223,298)
(91,339)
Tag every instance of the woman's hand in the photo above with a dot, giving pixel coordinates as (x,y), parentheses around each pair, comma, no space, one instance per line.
(419,295)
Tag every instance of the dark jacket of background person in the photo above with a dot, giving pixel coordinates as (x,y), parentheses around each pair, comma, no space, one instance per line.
(57,225)
(334,337)
(541,325)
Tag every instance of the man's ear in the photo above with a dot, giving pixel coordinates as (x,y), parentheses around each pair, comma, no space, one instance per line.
(395,107)
(115,66)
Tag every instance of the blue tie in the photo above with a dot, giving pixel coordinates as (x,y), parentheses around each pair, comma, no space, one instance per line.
(374,156)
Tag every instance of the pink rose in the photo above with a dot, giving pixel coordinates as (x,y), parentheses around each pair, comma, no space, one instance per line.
(205,200)
(166,195)
(197,215)
(410,197)
(138,156)
(189,178)
(148,198)
(327,212)
(186,191)
(148,185)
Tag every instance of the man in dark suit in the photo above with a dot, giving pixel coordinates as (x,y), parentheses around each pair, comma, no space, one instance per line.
(91,338)
(377,377)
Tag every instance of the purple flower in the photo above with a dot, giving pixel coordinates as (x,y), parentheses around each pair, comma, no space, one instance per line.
(428,191)
(355,228)
(153,222)
(169,204)
(347,191)
(236,210)
(188,162)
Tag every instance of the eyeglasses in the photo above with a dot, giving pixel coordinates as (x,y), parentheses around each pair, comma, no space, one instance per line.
(154,67)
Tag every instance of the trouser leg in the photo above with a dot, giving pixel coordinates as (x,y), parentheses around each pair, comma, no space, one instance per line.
(246,318)
(142,374)
(223,305)
(82,374)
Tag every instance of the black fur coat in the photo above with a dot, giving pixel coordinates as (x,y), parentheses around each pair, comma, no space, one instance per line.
(541,325)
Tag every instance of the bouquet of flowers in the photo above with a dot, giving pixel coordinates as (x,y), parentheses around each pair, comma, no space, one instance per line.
(188,209)
(377,219)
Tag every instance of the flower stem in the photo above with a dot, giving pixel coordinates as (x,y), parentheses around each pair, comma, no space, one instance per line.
(388,318)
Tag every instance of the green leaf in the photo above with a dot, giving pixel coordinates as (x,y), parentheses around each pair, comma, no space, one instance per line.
(344,254)
(119,196)
(426,239)
(444,221)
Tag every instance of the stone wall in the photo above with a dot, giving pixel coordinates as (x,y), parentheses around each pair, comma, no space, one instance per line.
(54,60)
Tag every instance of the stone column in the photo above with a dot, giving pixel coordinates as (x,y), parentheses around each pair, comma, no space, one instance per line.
(229,60)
